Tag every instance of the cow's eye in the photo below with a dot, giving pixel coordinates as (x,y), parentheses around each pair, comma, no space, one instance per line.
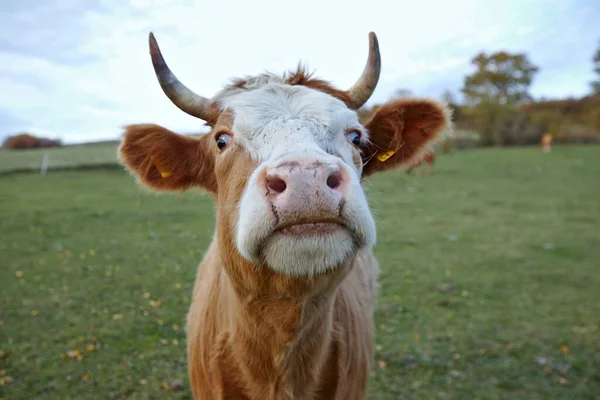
(353,137)
(223,140)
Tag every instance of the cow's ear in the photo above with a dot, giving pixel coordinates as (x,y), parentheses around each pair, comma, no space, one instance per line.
(402,131)
(167,161)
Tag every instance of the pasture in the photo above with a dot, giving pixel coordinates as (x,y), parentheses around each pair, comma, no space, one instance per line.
(489,283)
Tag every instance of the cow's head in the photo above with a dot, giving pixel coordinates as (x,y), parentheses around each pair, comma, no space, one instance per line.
(285,159)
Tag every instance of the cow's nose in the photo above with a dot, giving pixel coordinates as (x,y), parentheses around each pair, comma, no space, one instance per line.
(299,177)
(306,188)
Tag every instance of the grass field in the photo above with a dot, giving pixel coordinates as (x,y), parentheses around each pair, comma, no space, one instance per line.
(490,283)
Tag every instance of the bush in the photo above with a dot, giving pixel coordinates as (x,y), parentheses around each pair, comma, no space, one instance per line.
(27,141)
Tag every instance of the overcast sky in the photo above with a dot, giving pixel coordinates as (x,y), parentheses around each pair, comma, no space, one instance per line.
(79,70)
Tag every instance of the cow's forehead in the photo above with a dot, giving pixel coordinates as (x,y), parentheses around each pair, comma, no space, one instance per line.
(278,116)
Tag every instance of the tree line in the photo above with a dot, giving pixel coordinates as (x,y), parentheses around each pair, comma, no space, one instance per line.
(498,109)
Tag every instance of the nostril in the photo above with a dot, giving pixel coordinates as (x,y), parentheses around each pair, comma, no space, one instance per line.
(334,180)
(276,184)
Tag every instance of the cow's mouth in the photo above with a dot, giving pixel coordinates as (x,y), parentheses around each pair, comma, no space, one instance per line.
(310,227)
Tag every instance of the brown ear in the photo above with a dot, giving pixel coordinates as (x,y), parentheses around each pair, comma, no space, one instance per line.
(402,131)
(166,161)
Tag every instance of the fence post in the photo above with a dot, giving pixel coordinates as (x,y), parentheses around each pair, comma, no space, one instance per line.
(45,162)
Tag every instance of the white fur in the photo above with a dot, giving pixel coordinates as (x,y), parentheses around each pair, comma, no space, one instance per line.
(275,121)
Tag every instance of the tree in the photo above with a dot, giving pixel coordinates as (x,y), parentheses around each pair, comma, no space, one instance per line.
(596,59)
(28,141)
(499,78)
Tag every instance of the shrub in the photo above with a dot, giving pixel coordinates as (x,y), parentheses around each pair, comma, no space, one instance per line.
(27,141)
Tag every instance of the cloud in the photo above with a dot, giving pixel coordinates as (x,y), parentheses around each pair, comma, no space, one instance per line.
(81,70)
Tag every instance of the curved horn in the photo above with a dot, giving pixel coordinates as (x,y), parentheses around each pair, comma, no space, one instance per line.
(177,92)
(364,87)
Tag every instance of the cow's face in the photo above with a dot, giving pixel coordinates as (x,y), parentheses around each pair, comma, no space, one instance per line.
(285,163)
(301,209)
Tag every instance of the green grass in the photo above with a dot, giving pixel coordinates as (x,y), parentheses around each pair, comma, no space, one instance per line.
(513,234)
(59,157)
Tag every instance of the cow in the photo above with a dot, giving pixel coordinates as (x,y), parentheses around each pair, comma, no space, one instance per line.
(428,159)
(546,142)
(283,300)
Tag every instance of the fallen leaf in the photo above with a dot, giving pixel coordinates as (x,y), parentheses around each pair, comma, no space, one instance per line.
(85,376)
(564,349)
(562,381)
(76,354)
(156,303)
(90,347)
(5,380)
(382,364)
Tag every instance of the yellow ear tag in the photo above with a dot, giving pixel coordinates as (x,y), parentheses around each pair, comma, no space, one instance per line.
(388,154)
(163,172)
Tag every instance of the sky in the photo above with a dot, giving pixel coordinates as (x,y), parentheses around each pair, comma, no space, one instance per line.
(80,70)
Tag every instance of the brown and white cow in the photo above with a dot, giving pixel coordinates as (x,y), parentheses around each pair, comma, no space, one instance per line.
(546,142)
(283,301)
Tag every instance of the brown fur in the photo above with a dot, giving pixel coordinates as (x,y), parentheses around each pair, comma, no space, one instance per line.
(302,77)
(254,333)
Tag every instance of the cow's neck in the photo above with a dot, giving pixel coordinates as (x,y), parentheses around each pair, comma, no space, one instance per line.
(281,327)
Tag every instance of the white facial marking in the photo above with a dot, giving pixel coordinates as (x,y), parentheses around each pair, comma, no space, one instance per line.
(280,123)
